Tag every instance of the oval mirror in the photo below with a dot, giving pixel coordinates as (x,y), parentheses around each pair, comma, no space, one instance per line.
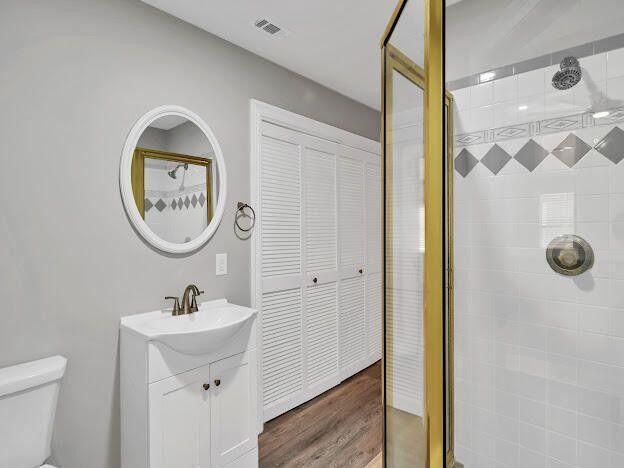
(173,179)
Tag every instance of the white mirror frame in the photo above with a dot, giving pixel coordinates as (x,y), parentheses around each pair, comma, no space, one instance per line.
(125,180)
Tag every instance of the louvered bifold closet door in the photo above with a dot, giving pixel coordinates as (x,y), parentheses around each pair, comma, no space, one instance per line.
(281,264)
(319,305)
(321,246)
(373,258)
(351,253)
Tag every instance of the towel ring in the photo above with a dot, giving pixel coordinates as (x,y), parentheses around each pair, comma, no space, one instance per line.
(240,209)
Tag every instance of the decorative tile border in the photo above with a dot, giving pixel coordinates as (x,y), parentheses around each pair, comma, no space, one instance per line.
(539,127)
(179,203)
(569,151)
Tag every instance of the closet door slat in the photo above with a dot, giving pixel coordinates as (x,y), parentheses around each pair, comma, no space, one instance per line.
(322,333)
(281,207)
(351,212)
(320,228)
(282,341)
(353,347)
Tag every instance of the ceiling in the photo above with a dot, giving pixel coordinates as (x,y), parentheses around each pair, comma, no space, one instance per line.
(335,43)
(167,122)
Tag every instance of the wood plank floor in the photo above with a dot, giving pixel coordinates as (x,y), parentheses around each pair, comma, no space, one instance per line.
(341,427)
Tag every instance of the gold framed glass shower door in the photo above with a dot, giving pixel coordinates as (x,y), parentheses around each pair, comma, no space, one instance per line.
(415,277)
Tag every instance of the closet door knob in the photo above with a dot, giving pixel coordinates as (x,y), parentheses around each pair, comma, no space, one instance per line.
(206,386)
(315,280)
(217,382)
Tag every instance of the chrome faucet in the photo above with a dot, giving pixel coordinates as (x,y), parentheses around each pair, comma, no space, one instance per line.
(193,291)
(187,307)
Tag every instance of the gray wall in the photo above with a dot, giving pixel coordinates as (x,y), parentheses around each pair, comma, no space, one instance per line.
(74,77)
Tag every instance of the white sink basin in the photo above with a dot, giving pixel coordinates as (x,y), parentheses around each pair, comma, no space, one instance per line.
(201,332)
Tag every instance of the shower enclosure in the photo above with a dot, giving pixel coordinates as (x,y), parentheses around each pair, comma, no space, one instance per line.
(538,233)
(415,280)
(504,283)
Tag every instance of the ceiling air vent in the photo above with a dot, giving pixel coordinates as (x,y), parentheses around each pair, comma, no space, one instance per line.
(270,28)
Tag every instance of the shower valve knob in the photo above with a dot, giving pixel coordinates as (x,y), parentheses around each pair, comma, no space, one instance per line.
(217,382)
(206,386)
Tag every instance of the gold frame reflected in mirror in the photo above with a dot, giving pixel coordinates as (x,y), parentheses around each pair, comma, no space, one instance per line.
(138,174)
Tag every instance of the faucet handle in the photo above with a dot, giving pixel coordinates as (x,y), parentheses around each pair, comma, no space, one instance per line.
(194,307)
(176,304)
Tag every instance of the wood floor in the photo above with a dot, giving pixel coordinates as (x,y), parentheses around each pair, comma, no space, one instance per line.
(340,428)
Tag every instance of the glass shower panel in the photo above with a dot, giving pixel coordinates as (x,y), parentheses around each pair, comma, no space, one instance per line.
(409,34)
(405,247)
(413,274)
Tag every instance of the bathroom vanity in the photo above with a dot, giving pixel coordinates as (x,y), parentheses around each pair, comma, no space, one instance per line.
(189,388)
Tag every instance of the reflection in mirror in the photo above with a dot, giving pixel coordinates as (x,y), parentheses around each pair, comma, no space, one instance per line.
(174,180)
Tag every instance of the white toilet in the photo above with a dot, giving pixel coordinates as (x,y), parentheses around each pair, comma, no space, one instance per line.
(28,395)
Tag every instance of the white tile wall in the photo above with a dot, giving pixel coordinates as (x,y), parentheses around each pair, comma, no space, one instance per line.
(539,366)
(530,96)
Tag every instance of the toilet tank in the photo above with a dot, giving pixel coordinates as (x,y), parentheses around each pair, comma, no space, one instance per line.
(28,395)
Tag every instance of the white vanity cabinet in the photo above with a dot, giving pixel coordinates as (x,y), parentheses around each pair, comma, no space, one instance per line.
(204,417)
(188,411)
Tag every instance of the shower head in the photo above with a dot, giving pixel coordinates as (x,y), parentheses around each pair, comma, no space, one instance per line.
(570,74)
(173,173)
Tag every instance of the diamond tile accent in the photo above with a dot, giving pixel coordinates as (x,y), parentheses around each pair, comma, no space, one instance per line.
(194,201)
(201,199)
(187,202)
(531,155)
(174,204)
(147,205)
(495,159)
(571,150)
(465,162)
(612,145)
(180,202)
(160,205)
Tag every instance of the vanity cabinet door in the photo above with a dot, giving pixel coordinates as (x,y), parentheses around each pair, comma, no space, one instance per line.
(179,420)
(233,405)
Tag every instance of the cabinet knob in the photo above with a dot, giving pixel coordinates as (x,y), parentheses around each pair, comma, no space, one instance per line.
(361,271)
(217,382)
(206,386)
(315,280)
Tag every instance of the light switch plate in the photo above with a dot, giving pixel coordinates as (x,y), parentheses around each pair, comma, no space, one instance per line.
(221,264)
